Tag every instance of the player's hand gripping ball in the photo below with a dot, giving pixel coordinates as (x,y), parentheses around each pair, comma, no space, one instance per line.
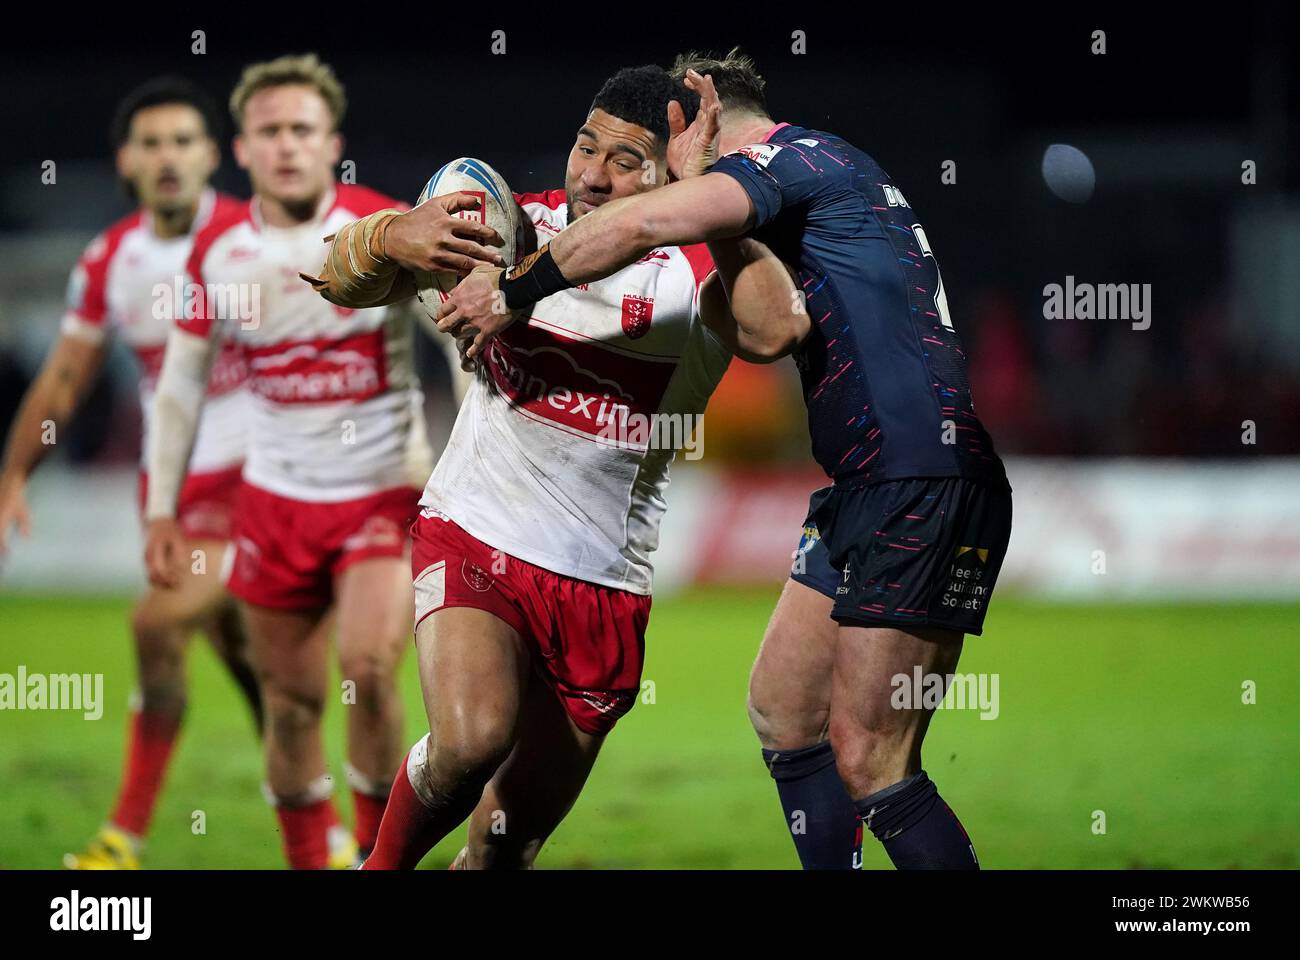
(496,209)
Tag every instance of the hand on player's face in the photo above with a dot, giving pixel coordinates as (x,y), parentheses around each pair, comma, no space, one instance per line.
(432,238)
(163,552)
(693,147)
(475,311)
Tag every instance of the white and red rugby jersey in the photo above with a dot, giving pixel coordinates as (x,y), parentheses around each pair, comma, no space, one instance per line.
(336,405)
(128,283)
(553,458)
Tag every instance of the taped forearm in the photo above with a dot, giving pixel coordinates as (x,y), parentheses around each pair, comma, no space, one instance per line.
(177,404)
(357,272)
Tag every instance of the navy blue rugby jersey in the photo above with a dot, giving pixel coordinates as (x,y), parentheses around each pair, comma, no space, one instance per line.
(883,370)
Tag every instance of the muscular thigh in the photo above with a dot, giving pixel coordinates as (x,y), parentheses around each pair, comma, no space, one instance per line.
(373,602)
(195,599)
(871,662)
(473,671)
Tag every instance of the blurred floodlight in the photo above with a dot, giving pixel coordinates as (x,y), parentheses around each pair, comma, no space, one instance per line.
(1068,173)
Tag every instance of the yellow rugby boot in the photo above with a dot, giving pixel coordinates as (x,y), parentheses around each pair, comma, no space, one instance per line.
(111,849)
(344,852)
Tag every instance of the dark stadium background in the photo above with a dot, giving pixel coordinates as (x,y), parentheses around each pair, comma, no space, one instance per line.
(1122,691)
(1167,115)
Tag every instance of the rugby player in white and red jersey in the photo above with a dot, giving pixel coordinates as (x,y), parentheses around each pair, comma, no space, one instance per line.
(531,556)
(123,286)
(337,449)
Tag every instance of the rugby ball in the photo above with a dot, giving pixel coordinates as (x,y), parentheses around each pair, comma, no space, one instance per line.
(497,208)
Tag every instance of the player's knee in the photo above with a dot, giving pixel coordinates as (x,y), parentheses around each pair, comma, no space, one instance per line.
(471,749)
(156,631)
(290,713)
(373,680)
(761,719)
(867,754)
(783,723)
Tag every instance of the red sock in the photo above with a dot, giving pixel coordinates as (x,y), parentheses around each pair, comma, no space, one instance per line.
(305,832)
(369,810)
(406,832)
(149,747)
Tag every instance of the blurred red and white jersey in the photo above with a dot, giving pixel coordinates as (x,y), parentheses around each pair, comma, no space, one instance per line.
(336,405)
(553,458)
(128,283)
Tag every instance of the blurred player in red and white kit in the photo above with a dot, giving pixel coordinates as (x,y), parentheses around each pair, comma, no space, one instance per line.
(123,286)
(336,451)
(531,557)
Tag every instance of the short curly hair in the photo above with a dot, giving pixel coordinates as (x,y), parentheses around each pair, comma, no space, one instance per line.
(641,95)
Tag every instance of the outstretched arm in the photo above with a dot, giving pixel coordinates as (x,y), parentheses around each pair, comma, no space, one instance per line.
(52,398)
(709,207)
(701,209)
(177,404)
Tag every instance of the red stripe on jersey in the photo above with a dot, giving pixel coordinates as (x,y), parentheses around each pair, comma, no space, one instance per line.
(226,217)
(697,255)
(325,370)
(554,199)
(574,383)
(229,369)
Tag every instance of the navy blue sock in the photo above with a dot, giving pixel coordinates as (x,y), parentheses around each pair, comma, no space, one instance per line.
(818,812)
(918,829)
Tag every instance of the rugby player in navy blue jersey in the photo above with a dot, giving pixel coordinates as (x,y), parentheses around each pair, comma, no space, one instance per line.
(900,554)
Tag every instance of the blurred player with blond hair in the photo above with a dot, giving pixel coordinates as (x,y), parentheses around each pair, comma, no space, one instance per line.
(336,453)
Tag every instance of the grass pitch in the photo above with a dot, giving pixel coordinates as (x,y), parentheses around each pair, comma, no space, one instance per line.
(1132,710)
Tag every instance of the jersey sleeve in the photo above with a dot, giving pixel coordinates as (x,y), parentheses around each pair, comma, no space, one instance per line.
(86,313)
(702,266)
(774,175)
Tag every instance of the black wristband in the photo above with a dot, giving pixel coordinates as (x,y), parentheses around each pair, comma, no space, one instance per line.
(536,278)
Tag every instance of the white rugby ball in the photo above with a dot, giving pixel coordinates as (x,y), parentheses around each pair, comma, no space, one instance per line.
(497,208)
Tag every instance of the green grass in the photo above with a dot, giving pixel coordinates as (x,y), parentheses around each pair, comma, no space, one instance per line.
(1134,710)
